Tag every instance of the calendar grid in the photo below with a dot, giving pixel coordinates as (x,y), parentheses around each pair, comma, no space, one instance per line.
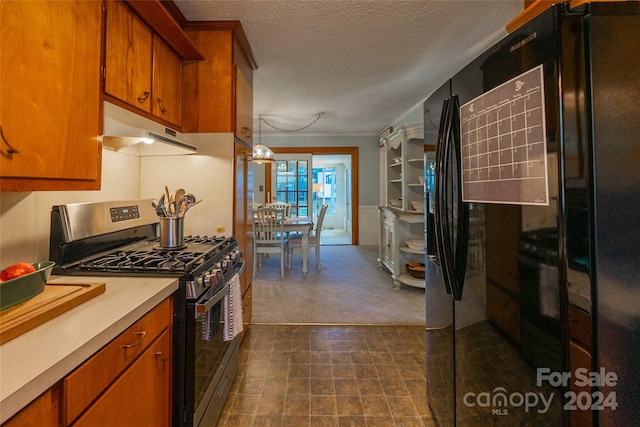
(504,143)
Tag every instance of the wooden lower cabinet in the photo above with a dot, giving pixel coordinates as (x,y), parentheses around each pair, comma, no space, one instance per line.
(93,377)
(126,383)
(141,396)
(42,412)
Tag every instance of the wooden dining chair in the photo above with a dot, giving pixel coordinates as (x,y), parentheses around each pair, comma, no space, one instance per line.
(268,236)
(295,240)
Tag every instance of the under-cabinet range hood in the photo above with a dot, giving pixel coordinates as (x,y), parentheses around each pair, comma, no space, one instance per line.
(129,133)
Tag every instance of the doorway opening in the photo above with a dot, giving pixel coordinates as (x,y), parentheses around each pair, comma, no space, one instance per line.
(332,180)
(331,176)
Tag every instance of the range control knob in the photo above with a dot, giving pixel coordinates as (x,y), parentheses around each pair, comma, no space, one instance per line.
(207,279)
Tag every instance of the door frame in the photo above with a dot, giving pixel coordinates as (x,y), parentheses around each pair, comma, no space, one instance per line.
(352,151)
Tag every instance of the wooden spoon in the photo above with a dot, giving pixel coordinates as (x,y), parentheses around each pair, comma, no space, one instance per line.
(179,194)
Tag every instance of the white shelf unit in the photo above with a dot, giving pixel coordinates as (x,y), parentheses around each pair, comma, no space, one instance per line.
(400,220)
(404,166)
(396,227)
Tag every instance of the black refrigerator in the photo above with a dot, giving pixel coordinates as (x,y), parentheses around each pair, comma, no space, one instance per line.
(532,229)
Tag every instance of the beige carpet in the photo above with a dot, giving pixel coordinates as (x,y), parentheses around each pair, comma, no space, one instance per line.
(349,289)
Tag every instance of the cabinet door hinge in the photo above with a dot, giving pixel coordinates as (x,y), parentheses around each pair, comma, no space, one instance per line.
(103,72)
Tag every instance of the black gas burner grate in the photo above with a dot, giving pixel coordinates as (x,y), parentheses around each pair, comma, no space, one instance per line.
(197,250)
(209,240)
(144,261)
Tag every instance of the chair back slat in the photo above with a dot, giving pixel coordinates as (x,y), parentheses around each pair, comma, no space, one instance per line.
(282,205)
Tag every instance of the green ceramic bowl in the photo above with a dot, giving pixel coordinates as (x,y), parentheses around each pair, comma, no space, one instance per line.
(22,288)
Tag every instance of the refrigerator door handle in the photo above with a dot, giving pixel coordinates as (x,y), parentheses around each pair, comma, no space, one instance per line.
(439,210)
(462,217)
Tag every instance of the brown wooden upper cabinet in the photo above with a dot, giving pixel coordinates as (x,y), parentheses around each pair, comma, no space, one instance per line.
(50,95)
(128,57)
(141,69)
(167,83)
(219,90)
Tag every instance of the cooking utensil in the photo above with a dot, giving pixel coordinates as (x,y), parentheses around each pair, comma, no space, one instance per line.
(174,204)
(189,201)
(171,208)
(179,193)
(160,209)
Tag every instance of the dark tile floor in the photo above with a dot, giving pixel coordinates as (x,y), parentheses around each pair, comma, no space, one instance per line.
(307,375)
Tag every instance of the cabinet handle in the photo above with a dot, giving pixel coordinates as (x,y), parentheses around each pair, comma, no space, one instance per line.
(10,149)
(141,334)
(162,109)
(144,96)
(160,356)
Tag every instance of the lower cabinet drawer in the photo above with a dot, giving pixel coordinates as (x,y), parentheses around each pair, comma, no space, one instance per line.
(85,384)
(141,396)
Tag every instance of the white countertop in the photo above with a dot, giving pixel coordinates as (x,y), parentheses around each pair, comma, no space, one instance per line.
(34,361)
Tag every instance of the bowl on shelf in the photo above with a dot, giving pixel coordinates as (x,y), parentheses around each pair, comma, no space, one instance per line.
(415,244)
(415,269)
(22,288)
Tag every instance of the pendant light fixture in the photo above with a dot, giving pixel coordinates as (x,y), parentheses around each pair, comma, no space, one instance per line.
(261,153)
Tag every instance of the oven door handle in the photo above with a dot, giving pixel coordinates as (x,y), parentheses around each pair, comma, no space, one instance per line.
(202,308)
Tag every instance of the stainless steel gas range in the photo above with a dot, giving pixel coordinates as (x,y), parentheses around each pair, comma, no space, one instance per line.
(121,238)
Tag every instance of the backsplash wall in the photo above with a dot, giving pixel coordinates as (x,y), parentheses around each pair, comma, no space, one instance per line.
(25,216)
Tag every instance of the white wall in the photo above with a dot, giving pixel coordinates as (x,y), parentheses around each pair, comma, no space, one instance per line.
(207,175)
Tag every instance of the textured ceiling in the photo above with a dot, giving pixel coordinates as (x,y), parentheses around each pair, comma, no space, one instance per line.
(363,63)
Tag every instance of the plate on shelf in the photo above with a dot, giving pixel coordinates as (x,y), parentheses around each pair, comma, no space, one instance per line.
(415,244)
(418,205)
(397,203)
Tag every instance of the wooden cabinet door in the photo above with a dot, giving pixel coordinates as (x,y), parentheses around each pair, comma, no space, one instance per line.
(128,57)
(50,94)
(141,396)
(39,413)
(167,83)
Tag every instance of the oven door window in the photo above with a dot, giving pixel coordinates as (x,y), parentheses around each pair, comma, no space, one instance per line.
(210,349)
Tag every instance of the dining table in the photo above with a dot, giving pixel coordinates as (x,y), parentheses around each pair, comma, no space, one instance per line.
(303,225)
